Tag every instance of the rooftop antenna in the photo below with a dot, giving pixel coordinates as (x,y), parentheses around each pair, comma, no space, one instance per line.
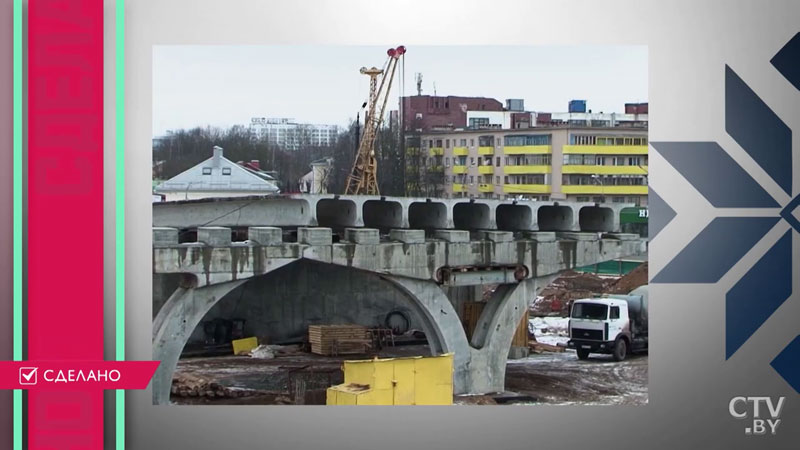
(419,83)
(434,89)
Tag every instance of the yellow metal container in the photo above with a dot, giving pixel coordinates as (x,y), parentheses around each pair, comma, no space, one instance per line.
(244,345)
(396,381)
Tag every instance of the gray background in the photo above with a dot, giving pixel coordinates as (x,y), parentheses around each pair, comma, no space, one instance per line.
(690,382)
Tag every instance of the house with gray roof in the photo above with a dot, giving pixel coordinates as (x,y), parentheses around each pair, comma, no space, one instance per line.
(216,177)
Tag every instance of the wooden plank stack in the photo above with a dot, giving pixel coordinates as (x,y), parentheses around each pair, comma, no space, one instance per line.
(538,347)
(338,339)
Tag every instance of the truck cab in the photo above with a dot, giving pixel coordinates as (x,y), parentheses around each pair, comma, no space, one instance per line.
(615,325)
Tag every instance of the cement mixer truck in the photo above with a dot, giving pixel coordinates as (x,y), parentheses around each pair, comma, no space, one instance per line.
(610,324)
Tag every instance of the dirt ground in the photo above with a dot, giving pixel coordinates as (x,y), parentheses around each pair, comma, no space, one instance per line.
(556,298)
(561,378)
(549,378)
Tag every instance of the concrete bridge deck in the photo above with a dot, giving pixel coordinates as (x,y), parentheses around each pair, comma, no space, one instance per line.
(342,211)
(421,267)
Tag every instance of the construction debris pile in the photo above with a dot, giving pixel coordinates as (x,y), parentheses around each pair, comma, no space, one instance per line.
(189,385)
(556,299)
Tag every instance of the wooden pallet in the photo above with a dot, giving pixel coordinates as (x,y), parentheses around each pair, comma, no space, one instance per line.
(338,339)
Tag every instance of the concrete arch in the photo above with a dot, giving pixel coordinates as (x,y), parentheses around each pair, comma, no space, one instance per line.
(476,370)
(471,216)
(555,218)
(427,215)
(173,325)
(382,214)
(443,327)
(596,218)
(514,217)
(336,213)
(183,312)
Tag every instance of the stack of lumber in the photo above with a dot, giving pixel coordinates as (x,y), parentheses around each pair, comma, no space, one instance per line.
(538,347)
(338,339)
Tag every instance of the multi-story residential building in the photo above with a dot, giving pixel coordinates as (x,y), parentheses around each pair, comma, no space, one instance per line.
(596,164)
(423,113)
(289,134)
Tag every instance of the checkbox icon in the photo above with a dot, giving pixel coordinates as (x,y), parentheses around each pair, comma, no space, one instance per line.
(27,375)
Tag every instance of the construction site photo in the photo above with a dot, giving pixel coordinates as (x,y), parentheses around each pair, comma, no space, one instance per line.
(383,239)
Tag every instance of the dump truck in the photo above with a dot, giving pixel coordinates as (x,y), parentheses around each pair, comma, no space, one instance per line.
(610,324)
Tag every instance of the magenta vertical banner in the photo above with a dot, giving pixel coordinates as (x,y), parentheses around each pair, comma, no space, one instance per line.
(65,213)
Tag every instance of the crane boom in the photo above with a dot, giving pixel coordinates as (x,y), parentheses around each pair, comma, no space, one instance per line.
(363,179)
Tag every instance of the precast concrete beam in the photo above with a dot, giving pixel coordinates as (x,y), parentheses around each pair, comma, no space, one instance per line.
(555,218)
(278,211)
(416,258)
(165,236)
(315,236)
(342,211)
(383,214)
(541,236)
(479,277)
(408,236)
(452,235)
(362,235)
(514,217)
(472,216)
(577,236)
(337,213)
(597,218)
(428,215)
(622,236)
(498,236)
(265,235)
(214,236)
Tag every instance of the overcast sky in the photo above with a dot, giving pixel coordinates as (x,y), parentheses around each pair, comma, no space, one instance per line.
(227,85)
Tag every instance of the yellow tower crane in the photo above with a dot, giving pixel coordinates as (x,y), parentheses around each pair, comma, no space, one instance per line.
(363,179)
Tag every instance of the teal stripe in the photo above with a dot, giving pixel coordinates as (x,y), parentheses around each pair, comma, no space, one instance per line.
(119,247)
(17,214)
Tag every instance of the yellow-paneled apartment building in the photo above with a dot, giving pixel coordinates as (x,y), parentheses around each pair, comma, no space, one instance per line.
(590,164)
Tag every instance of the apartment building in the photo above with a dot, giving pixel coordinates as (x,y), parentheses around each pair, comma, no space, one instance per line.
(291,135)
(597,164)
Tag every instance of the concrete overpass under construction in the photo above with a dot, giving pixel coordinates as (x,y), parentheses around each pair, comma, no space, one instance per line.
(427,270)
(384,213)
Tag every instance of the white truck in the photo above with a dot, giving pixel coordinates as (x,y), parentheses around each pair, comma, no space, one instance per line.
(611,324)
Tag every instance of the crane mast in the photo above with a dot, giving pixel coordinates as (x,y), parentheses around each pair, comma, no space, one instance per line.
(363,179)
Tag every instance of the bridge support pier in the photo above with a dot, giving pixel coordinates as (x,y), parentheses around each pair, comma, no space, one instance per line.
(173,325)
(480,365)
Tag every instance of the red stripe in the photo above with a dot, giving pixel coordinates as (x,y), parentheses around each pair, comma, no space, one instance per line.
(65,212)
